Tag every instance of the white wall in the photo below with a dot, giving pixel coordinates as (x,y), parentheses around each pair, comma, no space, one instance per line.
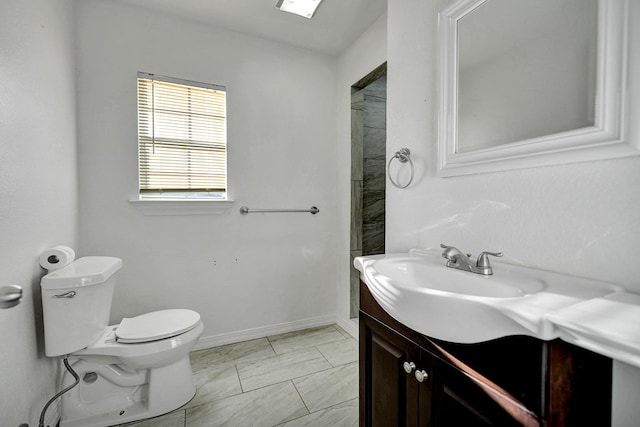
(580,219)
(245,275)
(38,205)
(366,53)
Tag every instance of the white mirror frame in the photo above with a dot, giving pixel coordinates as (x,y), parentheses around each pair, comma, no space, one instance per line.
(606,139)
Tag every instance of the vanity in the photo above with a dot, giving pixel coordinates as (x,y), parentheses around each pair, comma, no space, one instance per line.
(483,352)
(513,381)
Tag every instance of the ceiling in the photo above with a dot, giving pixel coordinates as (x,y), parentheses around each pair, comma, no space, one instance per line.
(335,26)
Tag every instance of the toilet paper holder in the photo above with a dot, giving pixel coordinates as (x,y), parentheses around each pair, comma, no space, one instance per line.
(10,296)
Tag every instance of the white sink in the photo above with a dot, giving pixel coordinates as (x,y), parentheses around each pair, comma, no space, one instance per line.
(429,273)
(418,290)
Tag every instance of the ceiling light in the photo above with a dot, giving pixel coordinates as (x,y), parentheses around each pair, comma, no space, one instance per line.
(304,8)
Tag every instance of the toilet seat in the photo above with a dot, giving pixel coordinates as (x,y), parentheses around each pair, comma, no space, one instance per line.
(156,325)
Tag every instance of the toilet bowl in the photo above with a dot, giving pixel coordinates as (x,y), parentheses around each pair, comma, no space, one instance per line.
(150,340)
(136,369)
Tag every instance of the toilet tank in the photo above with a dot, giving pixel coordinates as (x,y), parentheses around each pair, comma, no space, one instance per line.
(76,303)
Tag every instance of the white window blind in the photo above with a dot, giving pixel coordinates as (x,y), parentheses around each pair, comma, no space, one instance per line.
(182,138)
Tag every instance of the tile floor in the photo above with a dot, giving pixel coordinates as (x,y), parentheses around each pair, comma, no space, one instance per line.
(303,378)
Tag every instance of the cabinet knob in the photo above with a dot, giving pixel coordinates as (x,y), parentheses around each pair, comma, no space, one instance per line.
(409,367)
(421,376)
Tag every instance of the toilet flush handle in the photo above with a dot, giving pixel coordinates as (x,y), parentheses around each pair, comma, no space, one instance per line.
(70,294)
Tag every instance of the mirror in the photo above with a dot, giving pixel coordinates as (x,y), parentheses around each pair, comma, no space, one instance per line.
(530,83)
(512,74)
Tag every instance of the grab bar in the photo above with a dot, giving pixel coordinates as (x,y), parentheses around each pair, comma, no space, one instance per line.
(245,210)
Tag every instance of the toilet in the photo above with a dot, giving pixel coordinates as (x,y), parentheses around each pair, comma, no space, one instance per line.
(134,370)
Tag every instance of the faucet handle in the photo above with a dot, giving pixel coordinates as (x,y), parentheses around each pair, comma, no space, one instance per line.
(449,251)
(483,258)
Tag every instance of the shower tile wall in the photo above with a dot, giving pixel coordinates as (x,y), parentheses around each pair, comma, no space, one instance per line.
(374,153)
(368,153)
(357,160)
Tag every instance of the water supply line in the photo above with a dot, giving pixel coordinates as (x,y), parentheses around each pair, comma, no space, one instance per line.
(77,381)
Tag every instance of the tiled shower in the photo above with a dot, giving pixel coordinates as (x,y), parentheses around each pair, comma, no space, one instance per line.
(368,154)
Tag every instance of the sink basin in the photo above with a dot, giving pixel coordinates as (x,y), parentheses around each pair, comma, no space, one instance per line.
(420,291)
(429,274)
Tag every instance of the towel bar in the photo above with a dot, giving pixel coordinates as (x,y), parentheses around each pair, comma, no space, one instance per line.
(245,210)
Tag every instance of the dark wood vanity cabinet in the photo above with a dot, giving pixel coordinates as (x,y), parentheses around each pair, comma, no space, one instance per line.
(513,381)
(393,397)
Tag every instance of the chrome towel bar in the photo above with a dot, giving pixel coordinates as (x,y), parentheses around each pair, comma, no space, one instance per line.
(245,210)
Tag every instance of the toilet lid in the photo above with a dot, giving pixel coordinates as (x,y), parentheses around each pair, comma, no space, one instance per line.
(156,325)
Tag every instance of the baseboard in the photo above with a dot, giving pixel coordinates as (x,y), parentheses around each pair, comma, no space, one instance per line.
(263,331)
(349,325)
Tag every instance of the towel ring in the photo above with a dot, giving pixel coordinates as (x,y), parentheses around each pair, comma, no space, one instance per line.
(404,156)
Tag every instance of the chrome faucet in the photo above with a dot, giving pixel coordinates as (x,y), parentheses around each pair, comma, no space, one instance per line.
(457,259)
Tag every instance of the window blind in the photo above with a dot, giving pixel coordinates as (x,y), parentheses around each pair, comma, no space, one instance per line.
(182,138)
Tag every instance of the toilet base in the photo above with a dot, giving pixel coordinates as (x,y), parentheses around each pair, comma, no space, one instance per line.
(117,394)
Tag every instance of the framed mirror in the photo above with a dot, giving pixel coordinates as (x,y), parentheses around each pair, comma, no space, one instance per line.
(528,83)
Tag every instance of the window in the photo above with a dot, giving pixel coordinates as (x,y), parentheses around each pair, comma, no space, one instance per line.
(182,139)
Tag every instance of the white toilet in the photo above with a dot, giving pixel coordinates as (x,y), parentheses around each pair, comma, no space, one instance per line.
(137,369)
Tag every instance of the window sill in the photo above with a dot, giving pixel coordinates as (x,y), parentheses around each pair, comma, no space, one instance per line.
(182,207)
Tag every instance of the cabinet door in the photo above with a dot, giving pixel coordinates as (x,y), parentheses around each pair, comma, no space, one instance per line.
(388,394)
(464,400)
